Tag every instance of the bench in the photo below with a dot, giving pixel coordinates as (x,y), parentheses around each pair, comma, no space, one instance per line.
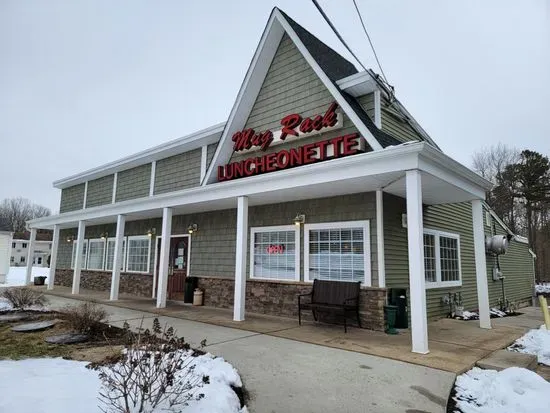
(336,297)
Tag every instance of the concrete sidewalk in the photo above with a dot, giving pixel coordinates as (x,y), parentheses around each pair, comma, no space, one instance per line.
(285,375)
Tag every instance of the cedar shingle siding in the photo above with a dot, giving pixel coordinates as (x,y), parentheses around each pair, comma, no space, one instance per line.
(72,198)
(178,172)
(100,191)
(290,86)
(133,183)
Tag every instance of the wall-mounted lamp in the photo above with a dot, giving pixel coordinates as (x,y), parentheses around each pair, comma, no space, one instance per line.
(299,219)
(151,232)
(192,228)
(70,238)
(104,235)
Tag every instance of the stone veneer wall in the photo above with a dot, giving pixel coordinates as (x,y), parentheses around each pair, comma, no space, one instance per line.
(135,284)
(280,298)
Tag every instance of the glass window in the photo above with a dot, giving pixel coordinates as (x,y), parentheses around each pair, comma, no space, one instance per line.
(441,259)
(337,251)
(138,254)
(22,259)
(448,248)
(84,253)
(24,245)
(429,258)
(95,254)
(275,253)
(110,254)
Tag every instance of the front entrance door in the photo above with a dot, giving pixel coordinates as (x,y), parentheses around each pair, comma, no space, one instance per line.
(177,266)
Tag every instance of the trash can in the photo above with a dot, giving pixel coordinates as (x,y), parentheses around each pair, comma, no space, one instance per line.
(398,297)
(39,280)
(198,296)
(390,312)
(191,284)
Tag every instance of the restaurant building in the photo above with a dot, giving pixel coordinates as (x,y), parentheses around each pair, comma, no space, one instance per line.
(319,172)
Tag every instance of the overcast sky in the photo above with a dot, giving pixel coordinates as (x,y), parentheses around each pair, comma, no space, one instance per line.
(83,83)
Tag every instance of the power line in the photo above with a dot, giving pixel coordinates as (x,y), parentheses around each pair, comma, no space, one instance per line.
(370,41)
(383,84)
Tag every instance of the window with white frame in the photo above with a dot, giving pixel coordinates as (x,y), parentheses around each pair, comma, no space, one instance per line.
(441,259)
(275,252)
(96,251)
(139,250)
(338,251)
(110,254)
(84,254)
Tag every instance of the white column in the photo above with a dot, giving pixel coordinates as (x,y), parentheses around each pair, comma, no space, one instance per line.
(115,181)
(117,258)
(53,257)
(162,283)
(204,159)
(85,201)
(415,236)
(78,256)
(380,238)
(481,265)
(30,256)
(377,109)
(240,258)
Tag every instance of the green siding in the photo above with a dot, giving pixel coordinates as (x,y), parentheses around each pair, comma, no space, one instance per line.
(395,125)
(367,103)
(516,265)
(133,183)
(213,245)
(210,150)
(72,198)
(178,172)
(100,191)
(291,86)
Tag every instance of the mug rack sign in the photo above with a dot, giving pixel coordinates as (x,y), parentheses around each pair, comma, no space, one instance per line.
(292,125)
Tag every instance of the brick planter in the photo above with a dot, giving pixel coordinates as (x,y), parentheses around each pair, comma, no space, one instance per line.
(135,284)
(280,298)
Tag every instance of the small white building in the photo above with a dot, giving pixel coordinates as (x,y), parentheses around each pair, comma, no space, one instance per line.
(20,251)
(5,241)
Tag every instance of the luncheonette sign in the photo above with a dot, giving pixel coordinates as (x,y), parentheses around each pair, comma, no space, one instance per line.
(293,125)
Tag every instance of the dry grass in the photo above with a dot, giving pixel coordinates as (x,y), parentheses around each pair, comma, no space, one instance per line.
(23,298)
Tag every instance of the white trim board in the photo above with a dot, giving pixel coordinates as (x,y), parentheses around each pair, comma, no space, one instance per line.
(187,143)
(276,27)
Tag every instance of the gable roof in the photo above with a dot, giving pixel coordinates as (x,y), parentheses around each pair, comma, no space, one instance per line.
(327,64)
(337,67)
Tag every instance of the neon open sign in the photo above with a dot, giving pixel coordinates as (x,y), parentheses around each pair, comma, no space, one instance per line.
(275,249)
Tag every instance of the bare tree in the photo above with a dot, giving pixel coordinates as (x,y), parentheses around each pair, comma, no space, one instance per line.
(17,211)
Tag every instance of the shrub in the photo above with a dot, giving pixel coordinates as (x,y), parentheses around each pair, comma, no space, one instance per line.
(24,298)
(86,318)
(156,373)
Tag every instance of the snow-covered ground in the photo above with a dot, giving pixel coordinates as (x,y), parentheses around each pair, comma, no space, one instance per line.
(16,275)
(513,390)
(57,385)
(536,342)
(543,288)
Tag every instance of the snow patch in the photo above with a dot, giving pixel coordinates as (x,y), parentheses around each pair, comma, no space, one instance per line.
(58,385)
(513,390)
(536,342)
(543,288)
(16,275)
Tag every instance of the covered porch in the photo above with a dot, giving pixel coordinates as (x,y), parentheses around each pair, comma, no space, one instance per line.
(455,346)
(416,172)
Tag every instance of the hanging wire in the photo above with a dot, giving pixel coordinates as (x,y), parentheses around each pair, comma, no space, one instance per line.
(370,41)
(381,82)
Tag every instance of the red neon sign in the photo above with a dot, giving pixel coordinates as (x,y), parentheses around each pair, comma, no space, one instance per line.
(275,249)
(303,155)
(292,125)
